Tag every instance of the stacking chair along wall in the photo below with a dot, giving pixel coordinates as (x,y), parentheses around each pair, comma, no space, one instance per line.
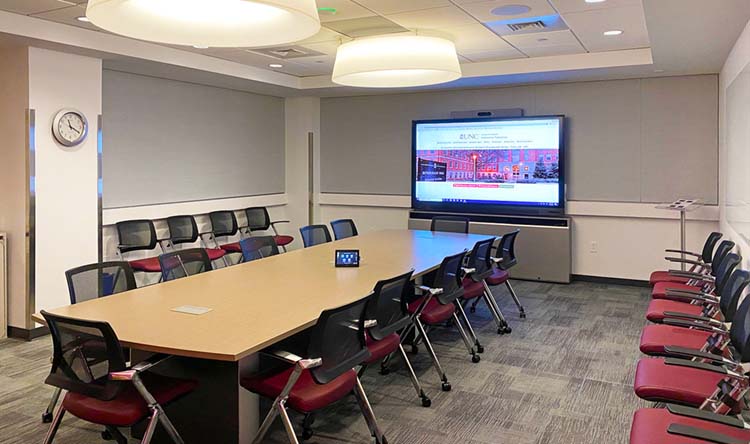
(704,257)
(140,235)
(184,230)
(441,303)
(343,228)
(479,263)
(224,224)
(89,363)
(90,282)
(704,279)
(315,235)
(452,224)
(258,247)
(258,219)
(183,263)
(707,330)
(324,376)
(677,424)
(713,382)
(673,299)
(505,260)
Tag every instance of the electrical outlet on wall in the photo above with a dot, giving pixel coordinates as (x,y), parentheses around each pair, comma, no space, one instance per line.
(594,247)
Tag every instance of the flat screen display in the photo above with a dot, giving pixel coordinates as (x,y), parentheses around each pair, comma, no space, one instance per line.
(489,165)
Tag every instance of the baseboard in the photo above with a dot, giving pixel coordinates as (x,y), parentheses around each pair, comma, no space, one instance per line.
(610,280)
(26,334)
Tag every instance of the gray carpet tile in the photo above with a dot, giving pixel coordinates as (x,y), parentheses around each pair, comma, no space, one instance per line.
(563,376)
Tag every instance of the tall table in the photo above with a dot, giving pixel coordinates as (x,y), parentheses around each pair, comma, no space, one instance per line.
(683,206)
(253,305)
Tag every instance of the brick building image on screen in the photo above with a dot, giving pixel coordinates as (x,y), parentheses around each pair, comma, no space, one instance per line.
(529,165)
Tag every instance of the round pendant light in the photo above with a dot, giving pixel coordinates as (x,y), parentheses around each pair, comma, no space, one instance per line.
(214,23)
(396,61)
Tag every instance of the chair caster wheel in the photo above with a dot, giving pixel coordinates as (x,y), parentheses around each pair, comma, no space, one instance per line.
(306,434)
(446,386)
(107,436)
(523,315)
(426,402)
(480,349)
(508,330)
(384,370)
(414,349)
(500,330)
(475,358)
(46,418)
(383,441)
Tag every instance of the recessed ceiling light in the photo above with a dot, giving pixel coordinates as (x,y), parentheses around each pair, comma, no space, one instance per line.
(595,1)
(200,46)
(275,65)
(83,18)
(612,32)
(511,10)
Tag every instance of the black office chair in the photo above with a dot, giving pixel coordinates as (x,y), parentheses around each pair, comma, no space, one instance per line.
(388,306)
(259,220)
(183,263)
(224,224)
(324,376)
(140,235)
(439,304)
(315,235)
(453,224)
(505,260)
(90,282)
(479,267)
(89,363)
(343,228)
(184,230)
(258,247)
(705,256)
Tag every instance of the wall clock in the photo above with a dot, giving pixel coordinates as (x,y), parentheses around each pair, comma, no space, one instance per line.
(70,127)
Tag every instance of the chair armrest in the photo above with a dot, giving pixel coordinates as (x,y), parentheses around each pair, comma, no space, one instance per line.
(688,274)
(705,435)
(468,271)
(703,319)
(690,296)
(291,358)
(430,290)
(496,260)
(280,222)
(689,291)
(705,367)
(692,353)
(129,375)
(683,261)
(705,415)
(370,323)
(678,251)
(694,325)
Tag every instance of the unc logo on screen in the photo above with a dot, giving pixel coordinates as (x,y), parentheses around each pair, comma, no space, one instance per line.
(468,137)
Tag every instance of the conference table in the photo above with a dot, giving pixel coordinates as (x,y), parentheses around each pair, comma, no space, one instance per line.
(252,306)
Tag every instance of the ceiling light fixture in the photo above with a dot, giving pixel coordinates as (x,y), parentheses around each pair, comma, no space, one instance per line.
(216,23)
(612,32)
(200,46)
(511,10)
(595,1)
(275,65)
(83,18)
(396,61)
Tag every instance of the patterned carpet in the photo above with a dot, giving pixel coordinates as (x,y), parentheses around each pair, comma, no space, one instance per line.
(563,376)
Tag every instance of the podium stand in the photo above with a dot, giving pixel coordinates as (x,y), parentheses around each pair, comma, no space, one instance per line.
(683,206)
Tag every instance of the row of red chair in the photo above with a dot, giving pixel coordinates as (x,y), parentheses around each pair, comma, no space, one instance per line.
(698,348)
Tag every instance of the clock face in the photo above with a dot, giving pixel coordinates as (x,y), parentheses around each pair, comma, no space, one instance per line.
(70,128)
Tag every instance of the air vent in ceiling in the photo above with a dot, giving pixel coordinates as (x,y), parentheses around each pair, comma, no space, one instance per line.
(537,25)
(288,52)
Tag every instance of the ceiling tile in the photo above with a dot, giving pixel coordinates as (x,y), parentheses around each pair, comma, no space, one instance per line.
(589,26)
(435,18)
(540,39)
(553,50)
(487,56)
(27,7)
(482,10)
(324,35)
(68,16)
(328,48)
(475,38)
(345,10)
(564,6)
(395,6)
(366,26)
(241,56)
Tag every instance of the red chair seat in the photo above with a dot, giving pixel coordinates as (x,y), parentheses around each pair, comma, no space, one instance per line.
(655,337)
(215,253)
(128,407)
(660,289)
(498,277)
(382,348)
(232,248)
(657,381)
(282,240)
(650,426)
(306,395)
(472,289)
(664,276)
(434,313)
(657,307)
(149,265)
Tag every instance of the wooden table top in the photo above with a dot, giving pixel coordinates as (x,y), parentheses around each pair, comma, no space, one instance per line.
(259,303)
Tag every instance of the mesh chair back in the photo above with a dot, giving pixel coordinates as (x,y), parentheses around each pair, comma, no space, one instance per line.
(223,223)
(448,277)
(257,218)
(258,247)
(85,352)
(338,339)
(708,247)
(724,271)
(453,224)
(480,259)
(507,250)
(183,263)
(315,235)
(732,293)
(182,229)
(739,332)
(136,235)
(97,280)
(724,248)
(343,228)
(387,306)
